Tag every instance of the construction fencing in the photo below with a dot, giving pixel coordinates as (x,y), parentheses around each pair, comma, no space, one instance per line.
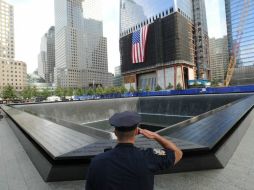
(194,91)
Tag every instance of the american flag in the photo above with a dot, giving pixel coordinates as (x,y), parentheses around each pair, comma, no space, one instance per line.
(139,39)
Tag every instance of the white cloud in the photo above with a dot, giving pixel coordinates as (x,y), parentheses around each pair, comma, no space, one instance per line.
(31,20)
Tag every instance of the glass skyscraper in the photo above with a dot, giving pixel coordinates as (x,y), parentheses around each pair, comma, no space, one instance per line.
(46,58)
(234,11)
(219,58)
(240,27)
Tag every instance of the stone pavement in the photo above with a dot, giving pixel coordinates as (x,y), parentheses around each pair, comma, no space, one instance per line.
(18,173)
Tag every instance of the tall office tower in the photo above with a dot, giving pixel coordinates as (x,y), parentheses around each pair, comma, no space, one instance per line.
(42,57)
(201,40)
(131,13)
(81,49)
(183,24)
(7,46)
(12,72)
(51,60)
(118,79)
(68,42)
(240,19)
(218,58)
(46,58)
(96,58)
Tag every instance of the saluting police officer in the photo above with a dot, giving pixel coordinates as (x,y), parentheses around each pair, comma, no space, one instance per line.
(127,167)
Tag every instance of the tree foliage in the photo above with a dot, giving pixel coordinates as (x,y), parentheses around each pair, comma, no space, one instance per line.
(132,90)
(59,92)
(69,92)
(45,93)
(90,92)
(158,88)
(148,88)
(34,91)
(99,90)
(170,86)
(179,86)
(215,82)
(8,92)
(123,89)
(27,93)
(79,92)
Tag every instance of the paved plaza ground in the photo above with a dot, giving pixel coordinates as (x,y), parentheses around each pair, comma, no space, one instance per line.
(18,173)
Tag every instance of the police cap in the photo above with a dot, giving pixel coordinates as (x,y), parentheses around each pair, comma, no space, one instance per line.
(125,121)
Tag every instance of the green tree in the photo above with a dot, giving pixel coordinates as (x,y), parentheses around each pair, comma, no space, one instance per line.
(34,91)
(27,93)
(45,93)
(79,92)
(179,86)
(108,90)
(59,91)
(215,83)
(158,88)
(65,92)
(99,90)
(170,86)
(116,89)
(140,90)
(8,92)
(148,88)
(123,90)
(113,90)
(90,92)
(132,90)
(69,92)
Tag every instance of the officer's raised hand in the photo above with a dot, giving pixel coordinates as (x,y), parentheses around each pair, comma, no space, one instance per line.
(165,143)
(148,134)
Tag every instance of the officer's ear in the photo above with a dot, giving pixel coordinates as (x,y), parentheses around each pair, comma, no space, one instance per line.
(115,132)
(137,131)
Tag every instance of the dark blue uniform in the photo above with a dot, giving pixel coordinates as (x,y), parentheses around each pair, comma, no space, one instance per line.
(127,167)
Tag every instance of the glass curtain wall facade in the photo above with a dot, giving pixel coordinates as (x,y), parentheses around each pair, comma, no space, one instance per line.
(46,58)
(135,13)
(234,12)
(50,55)
(42,58)
(219,58)
(240,16)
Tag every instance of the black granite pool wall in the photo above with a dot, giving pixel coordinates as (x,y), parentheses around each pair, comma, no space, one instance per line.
(178,108)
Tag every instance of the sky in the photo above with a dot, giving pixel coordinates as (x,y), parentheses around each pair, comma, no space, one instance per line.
(33,18)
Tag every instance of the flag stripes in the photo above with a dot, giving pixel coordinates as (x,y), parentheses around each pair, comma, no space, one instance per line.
(139,39)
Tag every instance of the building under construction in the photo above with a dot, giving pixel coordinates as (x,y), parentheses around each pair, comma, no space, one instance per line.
(176,48)
(240,19)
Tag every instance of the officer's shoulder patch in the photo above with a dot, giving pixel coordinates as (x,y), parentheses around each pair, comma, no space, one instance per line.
(159,152)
